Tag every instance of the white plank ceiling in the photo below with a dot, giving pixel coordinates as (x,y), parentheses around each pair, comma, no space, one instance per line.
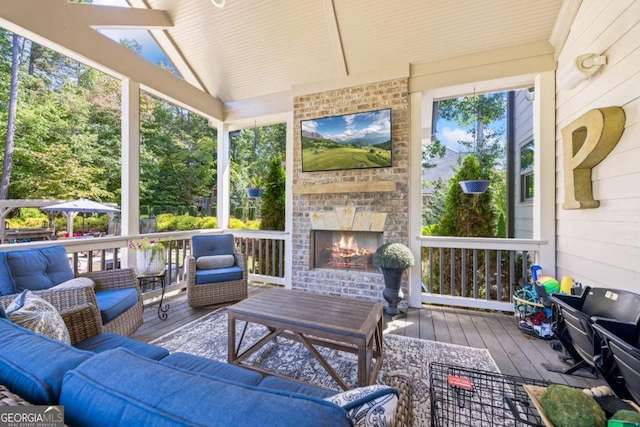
(254,48)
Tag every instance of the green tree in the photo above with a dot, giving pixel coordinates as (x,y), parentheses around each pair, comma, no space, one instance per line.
(434,208)
(11,119)
(273,199)
(478,111)
(178,159)
(467,215)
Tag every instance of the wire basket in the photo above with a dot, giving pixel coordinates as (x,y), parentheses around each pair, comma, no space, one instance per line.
(470,397)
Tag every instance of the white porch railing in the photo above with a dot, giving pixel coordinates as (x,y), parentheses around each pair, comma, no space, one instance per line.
(264,251)
(475,272)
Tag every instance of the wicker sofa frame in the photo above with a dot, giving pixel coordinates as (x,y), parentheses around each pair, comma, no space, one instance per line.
(71,297)
(215,293)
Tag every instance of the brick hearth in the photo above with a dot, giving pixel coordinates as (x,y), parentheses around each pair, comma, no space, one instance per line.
(364,195)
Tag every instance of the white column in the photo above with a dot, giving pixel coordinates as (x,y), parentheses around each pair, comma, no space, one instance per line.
(415,195)
(288,227)
(224,183)
(130,201)
(544,204)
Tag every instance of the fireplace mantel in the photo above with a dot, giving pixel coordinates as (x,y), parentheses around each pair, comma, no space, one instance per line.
(345,218)
(345,187)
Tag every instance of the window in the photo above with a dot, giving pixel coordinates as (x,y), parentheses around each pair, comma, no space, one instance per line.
(526,172)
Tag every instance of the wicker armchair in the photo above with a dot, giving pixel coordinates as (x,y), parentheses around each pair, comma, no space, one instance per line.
(199,291)
(130,320)
(70,297)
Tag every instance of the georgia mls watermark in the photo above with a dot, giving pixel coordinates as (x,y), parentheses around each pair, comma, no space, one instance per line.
(32,416)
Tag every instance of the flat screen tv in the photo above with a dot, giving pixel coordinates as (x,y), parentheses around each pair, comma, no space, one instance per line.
(351,141)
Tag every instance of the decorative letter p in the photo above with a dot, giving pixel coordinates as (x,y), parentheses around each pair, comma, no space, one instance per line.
(586,142)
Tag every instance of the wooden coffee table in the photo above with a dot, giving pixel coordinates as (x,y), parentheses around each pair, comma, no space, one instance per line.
(339,323)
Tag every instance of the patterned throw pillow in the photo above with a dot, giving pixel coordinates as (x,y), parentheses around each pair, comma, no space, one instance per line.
(372,406)
(32,312)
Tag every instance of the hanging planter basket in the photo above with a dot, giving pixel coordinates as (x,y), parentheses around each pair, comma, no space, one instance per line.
(474,186)
(254,193)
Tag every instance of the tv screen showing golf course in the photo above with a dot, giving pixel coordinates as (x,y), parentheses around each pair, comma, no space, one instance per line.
(351,141)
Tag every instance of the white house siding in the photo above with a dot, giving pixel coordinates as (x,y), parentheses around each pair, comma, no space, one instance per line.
(523,126)
(601,247)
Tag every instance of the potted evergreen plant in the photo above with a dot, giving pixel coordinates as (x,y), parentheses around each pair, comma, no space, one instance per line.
(393,259)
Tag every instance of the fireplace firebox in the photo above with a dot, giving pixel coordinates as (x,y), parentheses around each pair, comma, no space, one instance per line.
(345,250)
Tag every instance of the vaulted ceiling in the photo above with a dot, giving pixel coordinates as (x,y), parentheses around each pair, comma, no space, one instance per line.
(253,48)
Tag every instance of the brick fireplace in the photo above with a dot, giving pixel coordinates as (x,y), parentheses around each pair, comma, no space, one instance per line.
(366,200)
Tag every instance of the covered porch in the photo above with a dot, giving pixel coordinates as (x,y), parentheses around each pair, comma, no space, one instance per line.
(367,60)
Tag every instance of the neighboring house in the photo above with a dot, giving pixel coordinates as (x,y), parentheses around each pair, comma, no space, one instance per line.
(523,156)
(444,169)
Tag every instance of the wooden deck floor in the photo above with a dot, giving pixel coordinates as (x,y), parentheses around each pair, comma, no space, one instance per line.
(515,353)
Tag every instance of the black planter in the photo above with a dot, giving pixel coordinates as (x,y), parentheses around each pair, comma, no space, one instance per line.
(391,293)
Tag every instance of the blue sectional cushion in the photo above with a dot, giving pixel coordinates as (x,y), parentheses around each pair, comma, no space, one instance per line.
(218,275)
(32,365)
(213,368)
(217,244)
(289,386)
(156,394)
(41,268)
(115,302)
(7,287)
(108,340)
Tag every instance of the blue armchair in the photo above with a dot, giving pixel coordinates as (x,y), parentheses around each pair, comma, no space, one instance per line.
(46,271)
(215,273)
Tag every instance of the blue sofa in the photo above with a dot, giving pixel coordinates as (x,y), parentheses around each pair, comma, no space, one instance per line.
(46,270)
(131,383)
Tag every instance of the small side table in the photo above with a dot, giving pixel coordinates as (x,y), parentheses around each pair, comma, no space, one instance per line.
(152,280)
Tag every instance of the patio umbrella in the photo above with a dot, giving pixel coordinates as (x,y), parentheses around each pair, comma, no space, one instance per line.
(81,206)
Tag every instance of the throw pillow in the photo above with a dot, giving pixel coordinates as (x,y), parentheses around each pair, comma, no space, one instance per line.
(75,282)
(3,315)
(32,312)
(371,406)
(215,261)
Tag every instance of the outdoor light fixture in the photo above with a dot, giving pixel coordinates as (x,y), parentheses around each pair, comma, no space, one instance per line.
(530,94)
(219,3)
(583,67)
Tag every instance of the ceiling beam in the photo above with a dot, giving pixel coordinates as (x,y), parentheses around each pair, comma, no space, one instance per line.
(50,24)
(115,17)
(336,40)
(562,27)
(168,46)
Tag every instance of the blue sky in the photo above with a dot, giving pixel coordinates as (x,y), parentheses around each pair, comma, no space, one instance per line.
(150,49)
(450,133)
(351,126)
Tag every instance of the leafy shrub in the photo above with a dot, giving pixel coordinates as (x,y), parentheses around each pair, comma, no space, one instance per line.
(166,222)
(207,222)
(185,222)
(26,213)
(237,224)
(393,255)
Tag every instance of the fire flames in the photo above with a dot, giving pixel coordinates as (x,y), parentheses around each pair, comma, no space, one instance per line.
(345,253)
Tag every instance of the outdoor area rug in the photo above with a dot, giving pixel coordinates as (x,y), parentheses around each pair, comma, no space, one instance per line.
(408,357)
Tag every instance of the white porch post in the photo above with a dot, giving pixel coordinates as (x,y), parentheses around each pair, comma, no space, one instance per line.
(129,216)
(544,205)
(224,172)
(288,227)
(415,194)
